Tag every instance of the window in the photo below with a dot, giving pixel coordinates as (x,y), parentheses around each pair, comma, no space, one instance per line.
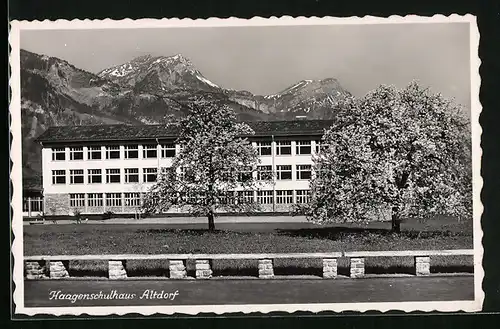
(284,197)
(264,148)
(303,196)
(94,199)
(168,150)
(320,146)
(245,197)
(265,197)
(264,172)
(77,200)
(284,172)
(113,199)
(76,176)
(94,153)
(283,148)
(58,154)
(95,176)
(113,152)
(58,176)
(303,147)
(131,175)
(131,151)
(149,175)
(112,175)
(303,171)
(76,153)
(245,175)
(149,151)
(132,199)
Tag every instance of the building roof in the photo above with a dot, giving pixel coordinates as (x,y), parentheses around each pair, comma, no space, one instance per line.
(140,132)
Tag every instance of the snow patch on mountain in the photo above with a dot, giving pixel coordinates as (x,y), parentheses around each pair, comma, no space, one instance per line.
(208,82)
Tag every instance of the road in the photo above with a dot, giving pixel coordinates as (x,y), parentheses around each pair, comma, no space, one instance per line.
(250,291)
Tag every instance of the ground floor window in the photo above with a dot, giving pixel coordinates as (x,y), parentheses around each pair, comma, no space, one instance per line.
(95,199)
(113,199)
(77,200)
(245,197)
(265,197)
(284,197)
(303,196)
(132,199)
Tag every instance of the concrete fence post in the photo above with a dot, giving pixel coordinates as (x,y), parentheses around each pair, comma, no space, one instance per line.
(177,269)
(35,269)
(58,269)
(266,270)
(203,268)
(357,267)
(117,269)
(329,268)
(422,265)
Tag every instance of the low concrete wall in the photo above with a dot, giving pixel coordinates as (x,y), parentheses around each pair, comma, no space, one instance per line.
(57,267)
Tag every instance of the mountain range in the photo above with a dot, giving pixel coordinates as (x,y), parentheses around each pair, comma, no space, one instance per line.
(146,90)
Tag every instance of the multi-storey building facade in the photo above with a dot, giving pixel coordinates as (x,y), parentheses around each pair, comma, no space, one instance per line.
(95,169)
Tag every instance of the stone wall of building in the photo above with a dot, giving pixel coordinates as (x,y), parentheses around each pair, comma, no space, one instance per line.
(57,204)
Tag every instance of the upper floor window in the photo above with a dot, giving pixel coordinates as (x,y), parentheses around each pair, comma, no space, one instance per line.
(283,148)
(112,175)
(76,176)
(149,175)
(77,200)
(168,150)
(95,176)
(284,172)
(94,153)
(245,175)
(149,151)
(113,152)
(131,151)
(284,197)
(76,153)
(264,172)
(58,154)
(58,176)
(265,197)
(303,196)
(131,175)
(303,171)
(320,146)
(303,147)
(264,148)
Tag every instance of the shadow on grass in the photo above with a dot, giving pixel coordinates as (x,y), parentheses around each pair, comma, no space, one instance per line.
(452,269)
(148,272)
(336,233)
(77,272)
(233,271)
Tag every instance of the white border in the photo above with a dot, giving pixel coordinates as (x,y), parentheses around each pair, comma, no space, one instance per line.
(16,173)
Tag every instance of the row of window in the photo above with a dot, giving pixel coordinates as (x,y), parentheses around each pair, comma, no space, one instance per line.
(113,152)
(133,199)
(149,175)
(168,151)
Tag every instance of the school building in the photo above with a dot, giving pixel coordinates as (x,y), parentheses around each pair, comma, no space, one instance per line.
(100,168)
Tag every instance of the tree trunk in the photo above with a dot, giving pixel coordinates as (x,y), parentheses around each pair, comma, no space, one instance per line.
(211,221)
(396,221)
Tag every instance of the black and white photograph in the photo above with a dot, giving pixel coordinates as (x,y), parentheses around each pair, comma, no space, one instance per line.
(232,165)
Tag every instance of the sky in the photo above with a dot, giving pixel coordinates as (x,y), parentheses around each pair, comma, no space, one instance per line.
(267,59)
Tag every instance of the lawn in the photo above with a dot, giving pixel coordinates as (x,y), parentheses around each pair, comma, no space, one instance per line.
(162,239)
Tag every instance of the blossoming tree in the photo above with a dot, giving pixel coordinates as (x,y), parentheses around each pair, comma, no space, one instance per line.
(213,169)
(406,151)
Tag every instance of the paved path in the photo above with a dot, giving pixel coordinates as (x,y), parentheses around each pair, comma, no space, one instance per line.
(254,291)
